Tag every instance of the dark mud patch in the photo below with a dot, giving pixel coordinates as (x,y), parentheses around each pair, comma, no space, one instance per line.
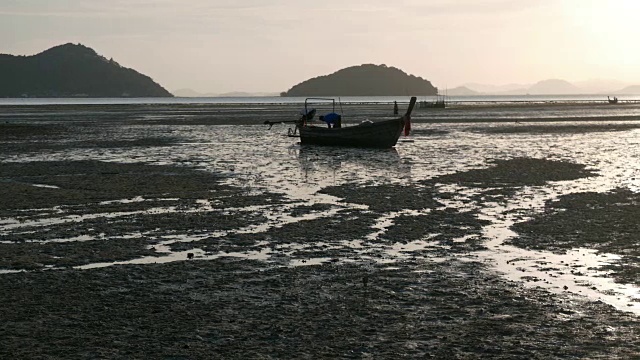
(25,138)
(124,207)
(51,145)
(459,232)
(236,198)
(123,143)
(229,309)
(83,182)
(14,132)
(310,209)
(554,129)
(300,238)
(109,239)
(607,222)
(127,206)
(507,176)
(30,138)
(151,225)
(35,256)
(385,198)
(152,114)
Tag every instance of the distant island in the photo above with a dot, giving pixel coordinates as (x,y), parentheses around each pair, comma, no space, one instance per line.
(629,90)
(193,93)
(548,87)
(364,80)
(71,70)
(461,91)
(553,86)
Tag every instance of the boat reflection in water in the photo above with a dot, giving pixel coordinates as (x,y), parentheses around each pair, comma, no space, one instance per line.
(339,164)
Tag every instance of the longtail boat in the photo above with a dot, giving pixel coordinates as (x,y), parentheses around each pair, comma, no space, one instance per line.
(379,134)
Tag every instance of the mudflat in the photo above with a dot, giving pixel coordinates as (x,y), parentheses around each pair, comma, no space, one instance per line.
(193,231)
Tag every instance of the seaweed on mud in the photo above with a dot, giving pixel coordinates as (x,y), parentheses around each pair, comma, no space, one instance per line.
(237,198)
(341,227)
(35,256)
(85,182)
(607,222)
(14,132)
(125,143)
(123,207)
(34,138)
(232,309)
(52,146)
(385,198)
(310,209)
(443,226)
(17,138)
(55,145)
(516,173)
(68,190)
(187,223)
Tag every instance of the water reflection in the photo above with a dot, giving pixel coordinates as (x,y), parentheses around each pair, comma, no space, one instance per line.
(317,160)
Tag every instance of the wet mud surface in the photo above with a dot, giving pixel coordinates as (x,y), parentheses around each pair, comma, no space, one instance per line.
(242,309)
(43,184)
(384,198)
(146,232)
(603,221)
(504,178)
(556,129)
(517,172)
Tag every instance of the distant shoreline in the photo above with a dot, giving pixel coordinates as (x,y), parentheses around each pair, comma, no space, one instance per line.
(257,113)
(485,100)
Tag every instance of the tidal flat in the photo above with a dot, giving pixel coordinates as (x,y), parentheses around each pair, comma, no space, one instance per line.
(194,231)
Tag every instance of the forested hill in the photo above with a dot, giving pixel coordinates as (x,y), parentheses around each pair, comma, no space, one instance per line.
(72,70)
(364,80)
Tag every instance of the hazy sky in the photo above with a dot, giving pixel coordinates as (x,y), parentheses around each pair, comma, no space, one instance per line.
(271,45)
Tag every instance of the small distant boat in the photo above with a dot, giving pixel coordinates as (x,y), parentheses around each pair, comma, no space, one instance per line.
(379,134)
(612,101)
(440,103)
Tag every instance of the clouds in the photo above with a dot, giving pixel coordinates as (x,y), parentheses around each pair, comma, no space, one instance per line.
(270,18)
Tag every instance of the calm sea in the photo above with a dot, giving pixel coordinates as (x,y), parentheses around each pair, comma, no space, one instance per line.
(298,100)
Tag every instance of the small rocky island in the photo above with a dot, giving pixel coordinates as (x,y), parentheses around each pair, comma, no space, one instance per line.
(72,70)
(364,80)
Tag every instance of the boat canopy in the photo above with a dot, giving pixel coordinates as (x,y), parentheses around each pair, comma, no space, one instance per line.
(331,118)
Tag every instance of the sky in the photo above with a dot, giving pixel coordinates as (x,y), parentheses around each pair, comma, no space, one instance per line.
(219,46)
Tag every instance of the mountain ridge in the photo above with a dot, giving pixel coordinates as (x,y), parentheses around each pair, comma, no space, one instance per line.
(629,90)
(363,80)
(72,70)
(556,87)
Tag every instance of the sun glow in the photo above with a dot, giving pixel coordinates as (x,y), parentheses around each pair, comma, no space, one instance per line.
(610,28)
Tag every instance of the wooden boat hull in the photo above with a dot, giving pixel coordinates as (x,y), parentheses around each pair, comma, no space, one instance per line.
(382,134)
